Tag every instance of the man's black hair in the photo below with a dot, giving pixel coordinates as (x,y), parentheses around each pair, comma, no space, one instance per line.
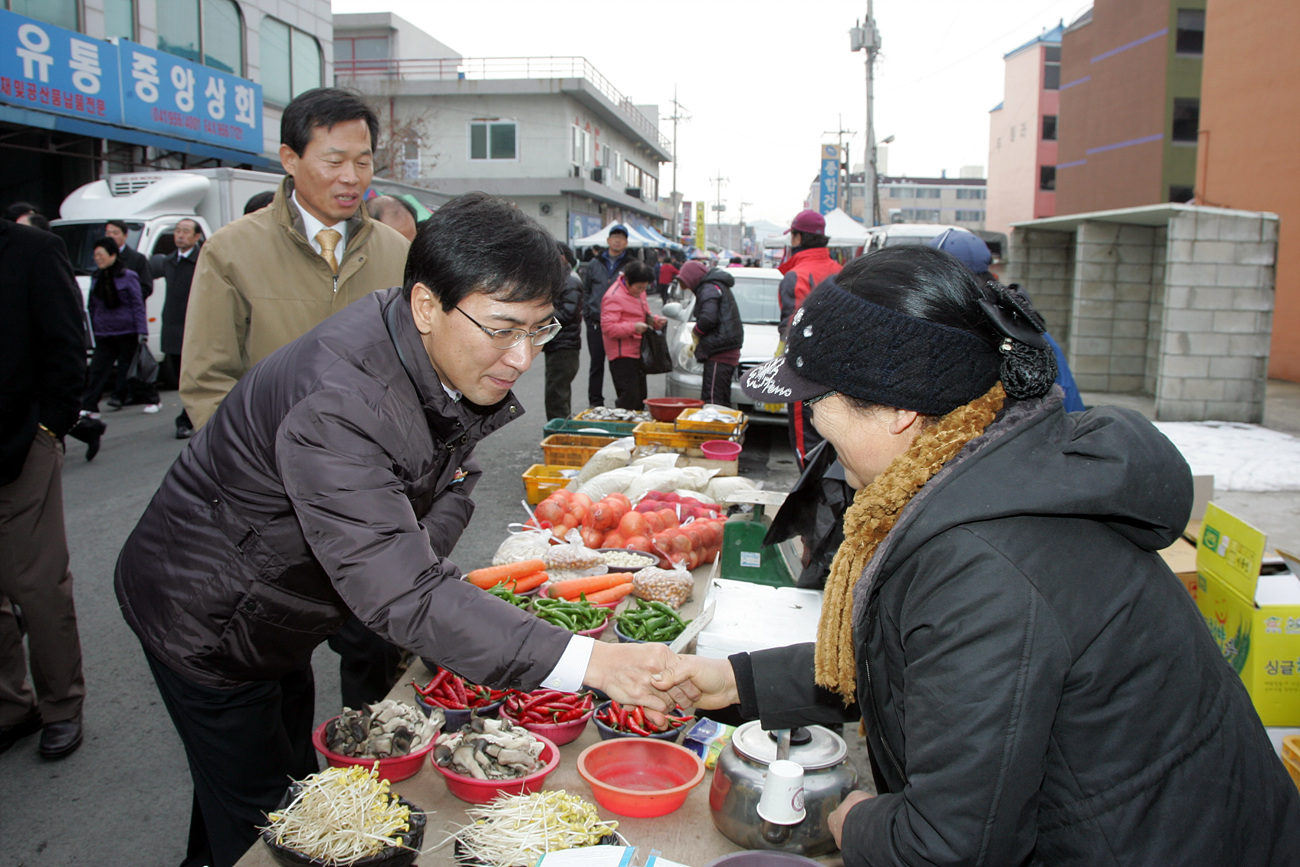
(258,201)
(323,107)
(121,225)
(198,230)
(811,240)
(480,243)
(19,209)
(567,252)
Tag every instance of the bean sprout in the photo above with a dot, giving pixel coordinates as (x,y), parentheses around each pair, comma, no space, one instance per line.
(341,815)
(516,830)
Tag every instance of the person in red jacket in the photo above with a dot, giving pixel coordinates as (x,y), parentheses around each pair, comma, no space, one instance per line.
(809,264)
(623,319)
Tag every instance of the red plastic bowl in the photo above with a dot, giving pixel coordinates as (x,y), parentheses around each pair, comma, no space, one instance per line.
(640,777)
(557,733)
(668,408)
(478,791)
(720,450)
(394,769)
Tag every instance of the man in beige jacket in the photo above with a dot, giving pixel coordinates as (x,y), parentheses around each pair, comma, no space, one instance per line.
(264,279)
(273,275)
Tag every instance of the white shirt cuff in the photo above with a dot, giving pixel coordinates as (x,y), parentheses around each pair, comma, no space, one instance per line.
(568,674)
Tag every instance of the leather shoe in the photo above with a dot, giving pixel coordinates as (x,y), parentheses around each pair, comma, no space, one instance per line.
(59,739)
(184,432)
(25,727)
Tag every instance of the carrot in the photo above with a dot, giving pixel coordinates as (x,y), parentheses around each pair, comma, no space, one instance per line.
(573,587)
(613,594)
(527,582)
(490,576)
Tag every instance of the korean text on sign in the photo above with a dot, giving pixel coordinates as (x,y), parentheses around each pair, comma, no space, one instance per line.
(55,70)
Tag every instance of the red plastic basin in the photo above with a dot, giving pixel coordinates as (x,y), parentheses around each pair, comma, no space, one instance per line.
(394,769)
(640,777)
(668,408)
(477,791)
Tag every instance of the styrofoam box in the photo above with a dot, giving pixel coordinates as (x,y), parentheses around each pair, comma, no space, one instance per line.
(750,617)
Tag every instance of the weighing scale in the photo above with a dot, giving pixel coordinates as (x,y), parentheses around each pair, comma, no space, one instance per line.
(744,557)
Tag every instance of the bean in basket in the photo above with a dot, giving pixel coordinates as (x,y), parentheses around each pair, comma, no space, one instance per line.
(380,731)
(489,749)
(451,690)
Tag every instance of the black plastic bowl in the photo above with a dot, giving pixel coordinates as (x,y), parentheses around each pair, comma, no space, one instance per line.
(389,857)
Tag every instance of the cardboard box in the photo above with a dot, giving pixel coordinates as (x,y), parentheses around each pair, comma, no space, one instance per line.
(1255,622)
(1180,557)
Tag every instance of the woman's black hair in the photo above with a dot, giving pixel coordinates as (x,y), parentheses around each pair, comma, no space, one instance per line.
(637,271)
(105,280)
(480,243)
(567,252)
(323,107)
(925,283)
(810,241)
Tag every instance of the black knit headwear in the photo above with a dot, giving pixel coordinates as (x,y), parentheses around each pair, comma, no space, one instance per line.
(840,342)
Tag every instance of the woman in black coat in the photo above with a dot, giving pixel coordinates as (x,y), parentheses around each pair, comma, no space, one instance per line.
(1036,686)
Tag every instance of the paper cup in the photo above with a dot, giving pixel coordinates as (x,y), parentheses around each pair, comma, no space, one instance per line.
(782,800)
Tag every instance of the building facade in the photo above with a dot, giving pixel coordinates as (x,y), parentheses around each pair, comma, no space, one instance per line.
(1247,157)
(185,83)
(1129,104)
(551,134)
(1022,135)
(951,201)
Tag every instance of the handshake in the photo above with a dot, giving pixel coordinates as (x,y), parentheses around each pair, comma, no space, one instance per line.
(652,676)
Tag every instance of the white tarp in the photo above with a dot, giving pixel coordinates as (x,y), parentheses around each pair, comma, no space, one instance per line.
(636,237)
(843,231)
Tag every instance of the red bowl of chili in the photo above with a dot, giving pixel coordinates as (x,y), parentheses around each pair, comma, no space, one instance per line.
(457,698)
(615,721)
(557,716)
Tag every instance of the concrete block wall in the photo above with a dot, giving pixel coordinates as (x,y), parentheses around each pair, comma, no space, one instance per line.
(1217,317)
(1113,272)
(1155,319)
(1043,263)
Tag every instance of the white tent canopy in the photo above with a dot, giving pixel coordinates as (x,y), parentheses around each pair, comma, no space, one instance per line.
(843,231)
(636,237)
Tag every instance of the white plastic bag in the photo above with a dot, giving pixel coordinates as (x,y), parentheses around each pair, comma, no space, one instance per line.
(573,557)
(654,480)
(609,457)
(523,543)
(721,487)
(660,461)
(696,478)
(615,481)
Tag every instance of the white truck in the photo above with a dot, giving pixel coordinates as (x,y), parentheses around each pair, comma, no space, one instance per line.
(151,203)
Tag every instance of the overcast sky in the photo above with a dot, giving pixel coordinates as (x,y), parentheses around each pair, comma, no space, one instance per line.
(765,89)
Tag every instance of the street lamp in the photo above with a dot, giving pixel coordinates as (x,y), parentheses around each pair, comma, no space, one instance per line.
(865,37)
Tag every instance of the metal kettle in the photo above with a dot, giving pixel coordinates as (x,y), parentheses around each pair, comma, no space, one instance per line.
(742,770)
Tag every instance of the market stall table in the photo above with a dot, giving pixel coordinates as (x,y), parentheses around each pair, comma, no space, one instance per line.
(686,835)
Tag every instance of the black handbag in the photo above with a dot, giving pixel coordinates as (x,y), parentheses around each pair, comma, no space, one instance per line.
(144,367)
(655,357)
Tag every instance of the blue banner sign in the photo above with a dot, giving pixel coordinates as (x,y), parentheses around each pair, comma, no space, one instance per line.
(170,95)
(47,68)
(50,69)
(828,199)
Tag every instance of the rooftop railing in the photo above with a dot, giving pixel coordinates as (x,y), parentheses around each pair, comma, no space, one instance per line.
(502,68)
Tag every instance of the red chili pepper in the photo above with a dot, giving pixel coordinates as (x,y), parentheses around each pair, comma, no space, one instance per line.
(458,688)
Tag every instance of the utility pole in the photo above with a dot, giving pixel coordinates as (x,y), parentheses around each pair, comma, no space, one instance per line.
(679,114)
(865,37)
(846,162)
(718,207)
(743,205)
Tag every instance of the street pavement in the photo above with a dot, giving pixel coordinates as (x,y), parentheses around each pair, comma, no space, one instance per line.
(124,797)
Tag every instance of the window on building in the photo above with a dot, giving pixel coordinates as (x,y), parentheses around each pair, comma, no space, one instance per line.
(119,19)
(902,193)
(919,215)
(209,32)
(1052,67)
(60,13)
(1187,120)
(348,48)
(1191,32)
(1180,194)
(291,61)
(492,139)
(970,193)
(1049,127)
(928,192)
(1047,178)
(970,216)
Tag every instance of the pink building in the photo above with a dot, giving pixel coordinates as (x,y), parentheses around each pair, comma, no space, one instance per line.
(1022,135)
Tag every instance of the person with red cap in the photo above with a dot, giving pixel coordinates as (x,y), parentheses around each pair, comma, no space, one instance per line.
(809,264)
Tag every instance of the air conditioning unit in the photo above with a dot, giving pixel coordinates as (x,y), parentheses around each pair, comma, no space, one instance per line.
(634,192)
(598,174)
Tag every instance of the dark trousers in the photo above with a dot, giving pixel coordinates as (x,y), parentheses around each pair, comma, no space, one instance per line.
(368,665)
(561,368)
(111,352)
(629,382)
(716,387)
(34,576)
(243,746)
(596,375)
(803,436)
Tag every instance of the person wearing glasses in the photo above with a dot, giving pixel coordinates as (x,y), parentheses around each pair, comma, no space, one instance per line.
(334,481)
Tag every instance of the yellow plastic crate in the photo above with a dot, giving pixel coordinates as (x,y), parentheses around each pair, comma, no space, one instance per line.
(571,450)
(1291,757)
(686,423)
(664,433)
(540,481)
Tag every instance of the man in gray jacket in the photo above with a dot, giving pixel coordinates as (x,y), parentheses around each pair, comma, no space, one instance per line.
(334,480)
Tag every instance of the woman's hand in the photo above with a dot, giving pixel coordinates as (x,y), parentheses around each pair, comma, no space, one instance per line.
(836,819)
(641,327)
(660,322)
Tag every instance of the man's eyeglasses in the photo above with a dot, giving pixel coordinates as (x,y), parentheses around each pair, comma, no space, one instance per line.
(509,338)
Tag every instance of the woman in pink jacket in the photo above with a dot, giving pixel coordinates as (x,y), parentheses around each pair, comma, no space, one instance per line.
(623,319)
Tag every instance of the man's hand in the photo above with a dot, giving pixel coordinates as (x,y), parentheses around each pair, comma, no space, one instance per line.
(836,819)
(640,674)
(712,681)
